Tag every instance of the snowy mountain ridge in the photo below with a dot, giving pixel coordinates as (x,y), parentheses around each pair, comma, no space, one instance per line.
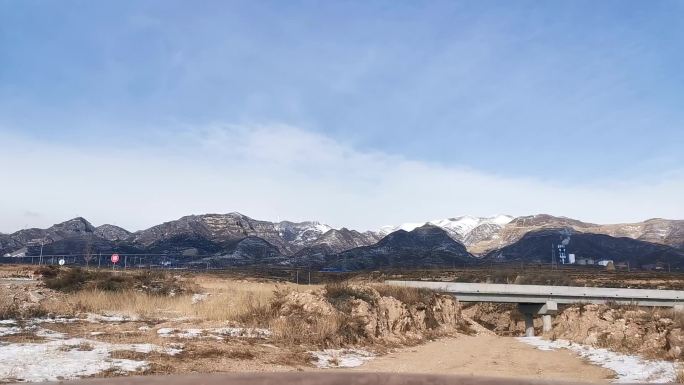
(459,228)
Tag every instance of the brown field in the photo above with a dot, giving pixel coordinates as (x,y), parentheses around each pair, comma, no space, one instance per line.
(193,306)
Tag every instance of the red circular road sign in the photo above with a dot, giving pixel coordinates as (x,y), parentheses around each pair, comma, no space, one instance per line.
(115,258)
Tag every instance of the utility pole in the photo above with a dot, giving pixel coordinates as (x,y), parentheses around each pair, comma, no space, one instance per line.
(41,253)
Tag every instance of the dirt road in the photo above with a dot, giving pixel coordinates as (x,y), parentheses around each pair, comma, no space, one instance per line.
(487,355)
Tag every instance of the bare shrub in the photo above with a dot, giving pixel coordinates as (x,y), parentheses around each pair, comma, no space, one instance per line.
(10,308)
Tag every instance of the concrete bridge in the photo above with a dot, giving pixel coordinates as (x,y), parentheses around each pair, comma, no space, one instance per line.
(543,300)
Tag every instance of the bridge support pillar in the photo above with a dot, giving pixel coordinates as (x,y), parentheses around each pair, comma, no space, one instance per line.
(529,310)
(529,325)
(547,325)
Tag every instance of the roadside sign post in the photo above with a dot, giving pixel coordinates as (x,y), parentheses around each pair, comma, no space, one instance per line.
(115,259)
(62,261)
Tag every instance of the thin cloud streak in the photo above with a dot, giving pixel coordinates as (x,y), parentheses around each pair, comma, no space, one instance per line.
(282,172)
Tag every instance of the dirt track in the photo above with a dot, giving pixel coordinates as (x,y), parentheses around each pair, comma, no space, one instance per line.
(488,356)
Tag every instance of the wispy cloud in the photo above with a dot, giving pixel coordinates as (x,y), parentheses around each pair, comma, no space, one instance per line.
(280,171)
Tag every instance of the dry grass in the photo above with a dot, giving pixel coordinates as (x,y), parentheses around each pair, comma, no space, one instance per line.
(408,295)
(11,309)
(227,300)
(297,357)
(302,329)
(23,337)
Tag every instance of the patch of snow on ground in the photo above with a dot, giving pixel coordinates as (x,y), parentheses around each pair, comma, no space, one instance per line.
(341,358)
(95,318)
(69,359)
(50,334)
(243,332)
(218,333)
(54,361)
(628,368)
(9,330)
(197,298)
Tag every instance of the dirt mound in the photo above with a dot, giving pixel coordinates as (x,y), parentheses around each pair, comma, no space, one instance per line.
(650,332)
(345,315)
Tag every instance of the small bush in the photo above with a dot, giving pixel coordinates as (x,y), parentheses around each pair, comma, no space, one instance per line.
(68,280)
(48,271)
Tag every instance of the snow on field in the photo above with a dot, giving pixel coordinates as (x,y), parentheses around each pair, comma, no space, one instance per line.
(67,359)
(62,358)
(9,330)
(197,298)
(341,358)
(243,332)
(95,318)
(217,333)
(628,368)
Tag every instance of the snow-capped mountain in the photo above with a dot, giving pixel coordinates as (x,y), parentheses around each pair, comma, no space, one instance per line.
(459,228)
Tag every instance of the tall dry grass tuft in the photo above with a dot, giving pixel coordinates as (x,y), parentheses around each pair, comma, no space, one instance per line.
(8,309)
(300,330)
(408,295)
(229,301)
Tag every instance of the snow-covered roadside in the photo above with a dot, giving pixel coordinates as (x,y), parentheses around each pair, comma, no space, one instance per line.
(341,358)
(628,368)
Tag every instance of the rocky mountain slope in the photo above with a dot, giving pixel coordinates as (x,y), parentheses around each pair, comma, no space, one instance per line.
(426,246)
(535,246)
(238,239)
(663,231)
(288,237)
(21,239)
(112,233)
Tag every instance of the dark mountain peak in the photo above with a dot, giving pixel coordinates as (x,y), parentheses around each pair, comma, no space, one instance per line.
(78,224)
(425,236)
(344,239)
(425,246)
(112,232)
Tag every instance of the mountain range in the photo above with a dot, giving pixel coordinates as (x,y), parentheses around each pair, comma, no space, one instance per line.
(235,239)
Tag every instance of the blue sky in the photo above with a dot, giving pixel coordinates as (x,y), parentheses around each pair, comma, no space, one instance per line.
(579,96)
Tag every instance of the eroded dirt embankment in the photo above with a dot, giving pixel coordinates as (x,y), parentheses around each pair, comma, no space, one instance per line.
(343,315)
(649,332)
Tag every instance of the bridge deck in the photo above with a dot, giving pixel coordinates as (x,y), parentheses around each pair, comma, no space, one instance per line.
(489,292)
